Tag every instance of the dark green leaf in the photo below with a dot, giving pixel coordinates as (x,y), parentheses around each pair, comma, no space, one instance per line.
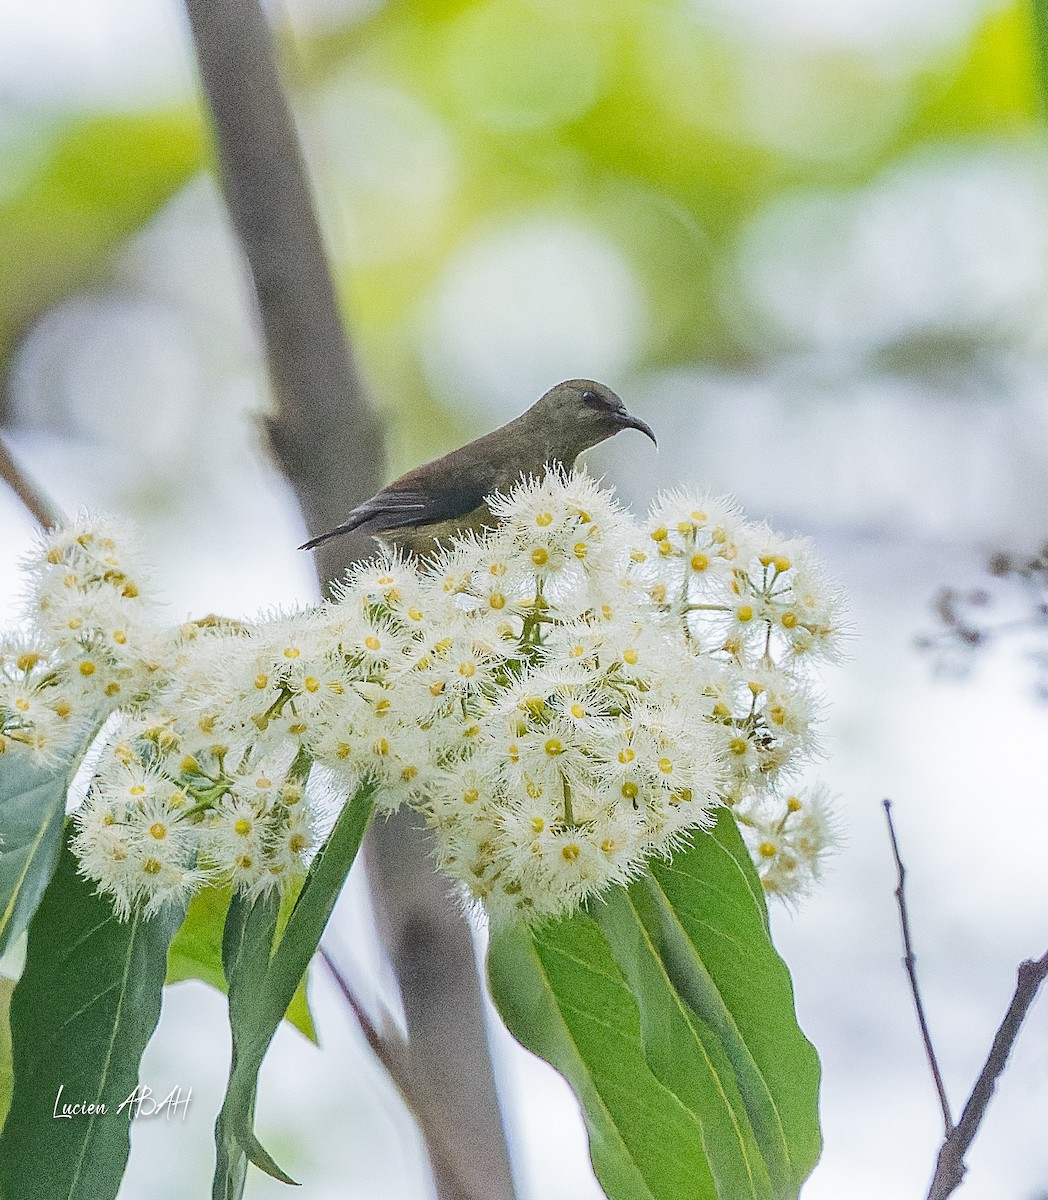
(196,952)
(668,1009)
(32,806)
(82,1013)
(264,967)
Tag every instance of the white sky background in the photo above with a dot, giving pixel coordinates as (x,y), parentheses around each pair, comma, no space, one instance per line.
(903,484)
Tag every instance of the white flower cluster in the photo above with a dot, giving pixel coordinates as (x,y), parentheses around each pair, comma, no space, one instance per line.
(562,699)
(91,643)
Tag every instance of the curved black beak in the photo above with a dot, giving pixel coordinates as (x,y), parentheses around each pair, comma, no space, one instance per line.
(626,421)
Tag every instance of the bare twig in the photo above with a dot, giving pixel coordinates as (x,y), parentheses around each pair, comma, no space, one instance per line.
(39,506)
(393,1052)
(910,963)
(383,1038)
(328,442)
(950,1168)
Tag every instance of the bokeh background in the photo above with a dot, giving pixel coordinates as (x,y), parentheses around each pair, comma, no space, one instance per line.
(807,241)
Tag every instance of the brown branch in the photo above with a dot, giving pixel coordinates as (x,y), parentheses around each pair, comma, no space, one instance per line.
(324,432)
(910,963)
(328,442)
(35,501)
(950,1167)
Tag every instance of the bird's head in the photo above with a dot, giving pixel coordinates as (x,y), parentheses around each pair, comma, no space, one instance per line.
(578,414)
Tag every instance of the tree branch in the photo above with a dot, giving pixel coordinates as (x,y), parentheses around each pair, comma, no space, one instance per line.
(324,433)
(38,505)
(910,963)
(328,442)
(950,1167)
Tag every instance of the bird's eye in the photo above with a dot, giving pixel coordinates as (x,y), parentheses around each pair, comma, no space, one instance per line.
(592,398)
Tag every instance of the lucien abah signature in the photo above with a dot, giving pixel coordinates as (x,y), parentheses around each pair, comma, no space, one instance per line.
(139,1104)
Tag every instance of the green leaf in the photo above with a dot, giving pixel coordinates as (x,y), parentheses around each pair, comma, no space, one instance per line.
(264,966)
(7,987)
(81,1015)
(32,807)
(717,945)
(196,952)
(563,997)
(668,1011)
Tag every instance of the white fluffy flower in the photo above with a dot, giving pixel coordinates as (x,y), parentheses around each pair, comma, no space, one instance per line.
(562,698)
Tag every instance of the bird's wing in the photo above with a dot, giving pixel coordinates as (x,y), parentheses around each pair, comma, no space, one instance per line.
(395,509)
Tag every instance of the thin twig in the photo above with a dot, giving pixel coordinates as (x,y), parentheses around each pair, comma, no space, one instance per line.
(393,1052)
(39,506)
(910,963)
(388,1045)
(950,1168)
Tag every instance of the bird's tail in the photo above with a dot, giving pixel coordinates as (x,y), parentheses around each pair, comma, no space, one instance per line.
(320,539)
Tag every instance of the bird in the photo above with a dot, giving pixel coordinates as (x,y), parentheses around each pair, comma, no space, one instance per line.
(446,497)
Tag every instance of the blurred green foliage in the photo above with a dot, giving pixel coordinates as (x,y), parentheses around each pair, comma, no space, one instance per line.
(640,121)
(85,185)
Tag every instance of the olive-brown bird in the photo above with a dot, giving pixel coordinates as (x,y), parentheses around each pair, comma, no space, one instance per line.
(446,497)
